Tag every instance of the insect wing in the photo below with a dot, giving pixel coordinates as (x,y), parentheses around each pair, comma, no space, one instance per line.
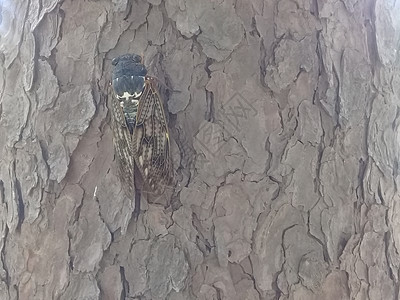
(151,146)
(122,140)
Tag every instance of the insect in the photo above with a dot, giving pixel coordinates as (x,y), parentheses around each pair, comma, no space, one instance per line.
(140,130)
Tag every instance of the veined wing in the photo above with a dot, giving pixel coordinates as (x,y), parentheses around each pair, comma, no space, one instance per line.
(122,140)
(150,141)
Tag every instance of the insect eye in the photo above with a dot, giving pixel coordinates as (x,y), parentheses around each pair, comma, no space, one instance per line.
(136,58)
(142,71)
(114,62)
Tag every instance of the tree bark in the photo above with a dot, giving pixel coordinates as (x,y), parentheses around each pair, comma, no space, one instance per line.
(284,117)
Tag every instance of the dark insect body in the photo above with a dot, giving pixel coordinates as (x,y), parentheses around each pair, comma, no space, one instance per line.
(141,137)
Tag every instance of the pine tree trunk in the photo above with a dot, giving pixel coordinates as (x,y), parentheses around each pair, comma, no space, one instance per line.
(284,116)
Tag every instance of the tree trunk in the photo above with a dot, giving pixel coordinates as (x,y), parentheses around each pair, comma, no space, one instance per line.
(284,116)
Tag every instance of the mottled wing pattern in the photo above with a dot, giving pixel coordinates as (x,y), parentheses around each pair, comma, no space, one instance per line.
(122,140)
(151,145)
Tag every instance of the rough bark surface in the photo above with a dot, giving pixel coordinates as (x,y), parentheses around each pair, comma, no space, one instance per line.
(285,118)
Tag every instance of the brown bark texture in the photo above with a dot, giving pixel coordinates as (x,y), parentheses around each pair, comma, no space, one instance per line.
(284,118)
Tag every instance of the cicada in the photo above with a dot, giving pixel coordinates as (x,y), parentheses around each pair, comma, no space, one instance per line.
(140,129)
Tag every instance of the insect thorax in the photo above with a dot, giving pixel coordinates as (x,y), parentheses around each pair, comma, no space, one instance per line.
(128,90)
